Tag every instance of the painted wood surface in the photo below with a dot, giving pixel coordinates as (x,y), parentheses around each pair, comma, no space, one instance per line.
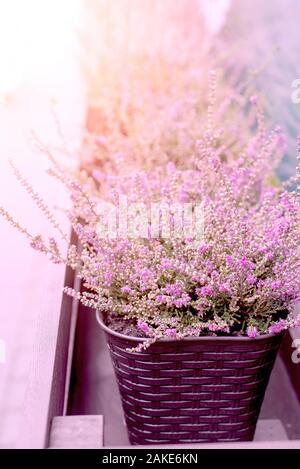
(31,319)
(77,432)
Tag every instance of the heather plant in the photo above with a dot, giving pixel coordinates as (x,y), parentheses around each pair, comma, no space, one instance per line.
(240,278)
(169,134)
(146,66)
(218,136)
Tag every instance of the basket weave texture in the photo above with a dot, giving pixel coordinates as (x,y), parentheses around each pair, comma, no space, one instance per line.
(204,389)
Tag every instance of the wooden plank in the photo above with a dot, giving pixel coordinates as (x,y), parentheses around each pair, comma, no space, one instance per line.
(288,444)
(34,323)
(77,432)
(46,379)
(270,430)
(87,432)
(63,357)
(72,335)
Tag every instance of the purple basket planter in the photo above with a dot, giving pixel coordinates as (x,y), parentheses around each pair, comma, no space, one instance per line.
(203,389)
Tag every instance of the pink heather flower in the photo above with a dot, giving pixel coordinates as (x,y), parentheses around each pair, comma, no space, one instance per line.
(97,175)
(172,333)
(174,322)
(203,249)
(291,293)
(143,326)
(161,299)
(210,267)
(55,259)
(101,141)
(171,167)
(245,263)
(207,291)
(126,289)
(174,289)
(297,321)
(269,256)
(183,301)
(37,243)
(282,140)
(253,100)
(252,332)
(229,261)
(224,288)
(251,279)
(145,274)
(166,263)
(108,279)
(278,326)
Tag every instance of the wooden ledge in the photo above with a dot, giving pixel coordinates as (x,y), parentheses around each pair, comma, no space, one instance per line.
(77,432)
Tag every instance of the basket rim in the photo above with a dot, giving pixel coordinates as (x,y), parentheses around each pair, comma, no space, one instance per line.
(229,338)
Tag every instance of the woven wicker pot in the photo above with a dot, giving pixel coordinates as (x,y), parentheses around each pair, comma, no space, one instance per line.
(204,389)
